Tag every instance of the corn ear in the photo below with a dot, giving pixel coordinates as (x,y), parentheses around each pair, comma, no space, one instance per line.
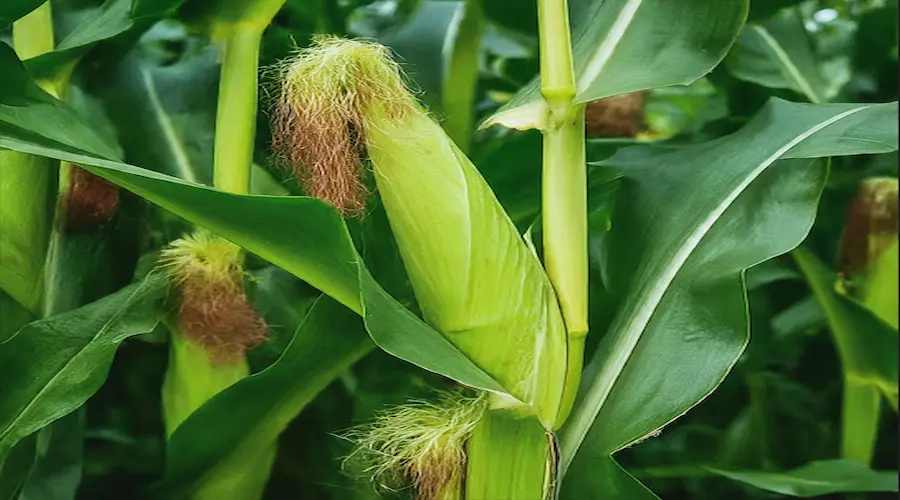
(475,279)
(473,276)
(215,324)
(868,256)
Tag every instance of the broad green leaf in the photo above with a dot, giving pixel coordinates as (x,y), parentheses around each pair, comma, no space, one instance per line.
(803,316)
(819,478)
(11,10)
(688,223)
(628,45)
(164,111)
(777,53)
(241,424)
(55,364)
(105,22)
(420,44)
(303,236)
(867,345)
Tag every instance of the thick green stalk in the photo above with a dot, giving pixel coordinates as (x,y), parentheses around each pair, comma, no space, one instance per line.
(236,115)
(193,377)
(859,416)
(564,188)
(197,377)
(861,401)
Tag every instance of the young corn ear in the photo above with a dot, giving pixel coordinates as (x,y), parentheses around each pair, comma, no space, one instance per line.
(869,248)
(214,311)
(419,446)
(477,282)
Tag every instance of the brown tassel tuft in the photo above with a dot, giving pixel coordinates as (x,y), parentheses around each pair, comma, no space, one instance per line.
(214,310)
(617,116)
(91,200)
(218,316)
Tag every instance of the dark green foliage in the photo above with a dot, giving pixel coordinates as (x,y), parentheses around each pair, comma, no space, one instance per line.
(764,420)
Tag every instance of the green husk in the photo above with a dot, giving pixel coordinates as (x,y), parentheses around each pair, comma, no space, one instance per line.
(509,456)
(475,279)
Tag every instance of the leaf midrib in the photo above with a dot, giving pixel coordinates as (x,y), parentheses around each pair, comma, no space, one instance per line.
(788,64)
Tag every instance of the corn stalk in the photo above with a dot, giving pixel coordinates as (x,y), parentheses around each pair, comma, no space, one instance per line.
(564,210)
(195,375)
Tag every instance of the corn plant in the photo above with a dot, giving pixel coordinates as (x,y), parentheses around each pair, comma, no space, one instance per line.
(335,202)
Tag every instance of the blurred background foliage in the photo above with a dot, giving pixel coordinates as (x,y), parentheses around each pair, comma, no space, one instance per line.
(153,88)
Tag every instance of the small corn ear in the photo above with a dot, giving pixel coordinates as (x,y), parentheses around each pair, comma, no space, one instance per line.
(213,312)
(475,279)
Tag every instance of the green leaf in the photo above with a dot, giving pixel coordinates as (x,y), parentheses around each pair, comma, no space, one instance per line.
(777,54)
(14,9)
(688,223)
(241,424)
(56,364)
(819,478)
(303,236)
(164,111)
(419,42)
(110,20)
(629,45)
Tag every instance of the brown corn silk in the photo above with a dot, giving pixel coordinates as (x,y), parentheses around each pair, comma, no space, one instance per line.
(91,200)
(617,116)
(871,225)
(214,310)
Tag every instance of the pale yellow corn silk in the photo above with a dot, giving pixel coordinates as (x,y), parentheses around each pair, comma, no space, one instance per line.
(213,309)
(420,445)
(476,280)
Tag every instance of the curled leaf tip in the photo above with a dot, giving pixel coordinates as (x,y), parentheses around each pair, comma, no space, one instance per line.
(420,445)
(214,310)
(319,115)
